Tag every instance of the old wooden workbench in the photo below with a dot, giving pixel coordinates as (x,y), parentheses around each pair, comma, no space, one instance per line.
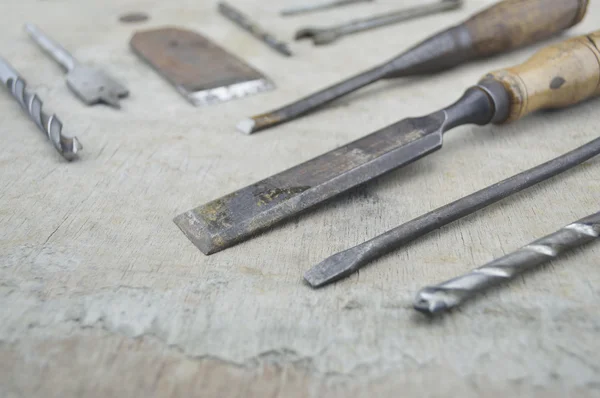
(101,295)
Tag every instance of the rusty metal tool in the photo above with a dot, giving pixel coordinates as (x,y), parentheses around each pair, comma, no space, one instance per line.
(311,7)
(199,69)
(345,263)
(322,36)
(505,26)
(89,84)
(452,293)
(557,76)
(50,125)
(255,30)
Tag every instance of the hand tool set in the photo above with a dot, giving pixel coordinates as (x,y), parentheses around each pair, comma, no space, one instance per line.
(560,75)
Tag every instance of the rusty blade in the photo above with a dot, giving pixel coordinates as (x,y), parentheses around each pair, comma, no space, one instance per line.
(199,69)
(235,217)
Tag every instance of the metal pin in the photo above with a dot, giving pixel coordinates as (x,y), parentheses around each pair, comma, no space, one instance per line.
(306,8)
(452,293)
(322,36)
(245,23)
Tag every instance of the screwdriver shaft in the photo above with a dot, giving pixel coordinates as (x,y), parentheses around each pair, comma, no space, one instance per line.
(452,293)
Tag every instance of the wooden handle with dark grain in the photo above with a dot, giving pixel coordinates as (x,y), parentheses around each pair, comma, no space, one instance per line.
(555,77)
(515,23)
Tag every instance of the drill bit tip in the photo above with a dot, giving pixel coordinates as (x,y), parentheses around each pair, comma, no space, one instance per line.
(433,301)
(246,126)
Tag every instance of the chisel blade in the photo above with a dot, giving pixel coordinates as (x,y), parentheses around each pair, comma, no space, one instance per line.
(199,69)
(224,222)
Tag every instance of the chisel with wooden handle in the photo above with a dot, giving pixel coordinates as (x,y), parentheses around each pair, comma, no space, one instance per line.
(505,26)
(557,76)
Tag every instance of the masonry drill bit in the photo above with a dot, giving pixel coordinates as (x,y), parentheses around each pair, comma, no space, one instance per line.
(345,263)
(50,125)
(557,76)
(245,23)
(505,26)
(451,294)
(311,7)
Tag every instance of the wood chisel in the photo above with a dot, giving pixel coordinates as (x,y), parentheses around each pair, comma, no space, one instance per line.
(505,26)
(557,76)
(450,294)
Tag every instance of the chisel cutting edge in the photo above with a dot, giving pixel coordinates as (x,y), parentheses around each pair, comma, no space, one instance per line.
(555,77)
(505,26)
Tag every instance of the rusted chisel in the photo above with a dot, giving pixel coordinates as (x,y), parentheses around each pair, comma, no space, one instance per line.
(505,26)
(557,76)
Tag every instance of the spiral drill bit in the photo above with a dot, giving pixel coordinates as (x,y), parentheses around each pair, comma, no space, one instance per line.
(51,125)
(450,294)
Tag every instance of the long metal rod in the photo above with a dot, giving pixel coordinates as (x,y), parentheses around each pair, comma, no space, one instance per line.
(347,262)
(311,7)
(452,293)
(254,29)
(327,35)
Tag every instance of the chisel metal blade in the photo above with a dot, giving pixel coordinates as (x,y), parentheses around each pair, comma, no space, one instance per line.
(237,216)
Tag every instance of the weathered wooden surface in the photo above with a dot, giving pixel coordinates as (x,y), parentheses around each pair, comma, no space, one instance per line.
(101,295)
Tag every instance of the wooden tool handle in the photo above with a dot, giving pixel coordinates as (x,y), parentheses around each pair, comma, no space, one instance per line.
(557,76)
(515,23)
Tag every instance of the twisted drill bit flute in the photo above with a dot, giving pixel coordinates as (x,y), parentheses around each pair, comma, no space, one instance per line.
(255,30)
(50,125)
(450,294)
(507,25)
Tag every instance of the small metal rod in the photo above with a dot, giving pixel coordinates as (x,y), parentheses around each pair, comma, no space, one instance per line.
(327,35)
(306,8)
(450,294)
(349,261)
(255,30)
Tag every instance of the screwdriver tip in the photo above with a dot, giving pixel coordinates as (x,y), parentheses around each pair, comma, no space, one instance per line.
(246,126)
(333,268)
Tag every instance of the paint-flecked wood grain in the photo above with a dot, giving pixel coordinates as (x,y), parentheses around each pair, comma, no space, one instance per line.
(558,76)
(101,295)
(516,23)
